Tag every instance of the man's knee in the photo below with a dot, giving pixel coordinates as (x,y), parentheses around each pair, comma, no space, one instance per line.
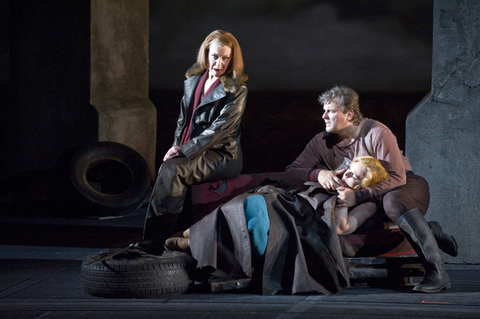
(393,206)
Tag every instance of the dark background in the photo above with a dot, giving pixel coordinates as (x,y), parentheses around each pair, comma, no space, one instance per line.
(293,50)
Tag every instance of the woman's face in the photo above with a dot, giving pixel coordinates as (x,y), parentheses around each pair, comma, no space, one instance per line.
(354,175)
(218,59)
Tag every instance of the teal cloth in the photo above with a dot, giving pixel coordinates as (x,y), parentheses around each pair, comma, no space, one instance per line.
(258,223)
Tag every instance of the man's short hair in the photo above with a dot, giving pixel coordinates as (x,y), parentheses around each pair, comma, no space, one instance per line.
(347,98)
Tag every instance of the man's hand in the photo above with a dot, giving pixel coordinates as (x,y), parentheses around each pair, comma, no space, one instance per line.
(174,151)
(329,179)
(346,197)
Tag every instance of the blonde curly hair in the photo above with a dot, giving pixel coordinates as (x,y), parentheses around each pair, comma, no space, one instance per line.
(375,172)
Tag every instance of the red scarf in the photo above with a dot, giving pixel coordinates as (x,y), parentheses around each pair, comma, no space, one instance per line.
(197,99)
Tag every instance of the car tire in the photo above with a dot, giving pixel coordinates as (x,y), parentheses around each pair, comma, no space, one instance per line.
(108,178)
(135,274)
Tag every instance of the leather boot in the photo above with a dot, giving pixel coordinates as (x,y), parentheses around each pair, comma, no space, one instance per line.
(150,247)
(418,233)
(445,242)
(155,231)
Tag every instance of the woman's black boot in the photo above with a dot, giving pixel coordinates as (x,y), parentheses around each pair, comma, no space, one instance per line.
(418,233)
(156,230)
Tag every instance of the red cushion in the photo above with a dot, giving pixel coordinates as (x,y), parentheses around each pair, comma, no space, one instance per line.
(206,197)
(380,243)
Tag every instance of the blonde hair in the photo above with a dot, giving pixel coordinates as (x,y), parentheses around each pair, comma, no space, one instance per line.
(223,38)
(375,171)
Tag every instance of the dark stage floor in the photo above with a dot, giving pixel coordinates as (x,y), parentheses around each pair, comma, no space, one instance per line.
(40,278)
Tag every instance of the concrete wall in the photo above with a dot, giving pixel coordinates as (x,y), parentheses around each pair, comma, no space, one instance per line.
(119,75)
(442,130)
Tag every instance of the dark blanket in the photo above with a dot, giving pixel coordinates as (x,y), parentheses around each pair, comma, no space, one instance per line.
(303,251)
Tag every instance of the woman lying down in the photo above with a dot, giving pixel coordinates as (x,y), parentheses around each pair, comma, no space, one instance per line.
(286,240)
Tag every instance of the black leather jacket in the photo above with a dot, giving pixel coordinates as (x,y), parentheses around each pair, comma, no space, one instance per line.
(216,121)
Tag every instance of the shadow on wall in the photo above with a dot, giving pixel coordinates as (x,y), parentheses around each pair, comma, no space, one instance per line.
(277,124)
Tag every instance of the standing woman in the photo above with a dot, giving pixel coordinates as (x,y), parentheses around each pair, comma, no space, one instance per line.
(206,146)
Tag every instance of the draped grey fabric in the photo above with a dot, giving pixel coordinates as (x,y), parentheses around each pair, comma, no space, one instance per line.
(303,251)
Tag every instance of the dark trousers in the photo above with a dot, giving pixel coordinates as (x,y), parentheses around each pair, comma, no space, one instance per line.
(170,190)
(414,194)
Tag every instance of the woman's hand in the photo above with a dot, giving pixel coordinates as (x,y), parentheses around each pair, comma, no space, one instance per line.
(329,179)
(174,151)
(346,197)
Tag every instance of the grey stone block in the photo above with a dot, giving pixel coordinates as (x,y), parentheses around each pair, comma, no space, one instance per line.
(442,130)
